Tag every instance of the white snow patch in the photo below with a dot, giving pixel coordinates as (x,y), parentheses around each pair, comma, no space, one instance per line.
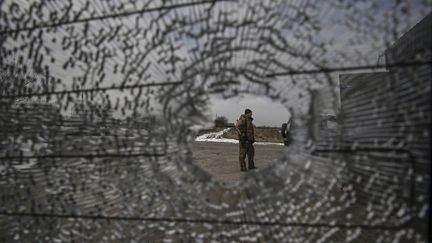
(265,143)
(217,138)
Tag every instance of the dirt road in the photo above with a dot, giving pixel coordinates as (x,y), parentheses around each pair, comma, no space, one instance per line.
(221,159)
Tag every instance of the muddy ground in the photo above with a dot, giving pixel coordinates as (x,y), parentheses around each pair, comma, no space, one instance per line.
(221,159)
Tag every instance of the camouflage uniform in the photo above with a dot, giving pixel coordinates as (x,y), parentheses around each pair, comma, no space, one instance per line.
(245,129)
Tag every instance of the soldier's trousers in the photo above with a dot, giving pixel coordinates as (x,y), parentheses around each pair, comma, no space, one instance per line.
(249,150)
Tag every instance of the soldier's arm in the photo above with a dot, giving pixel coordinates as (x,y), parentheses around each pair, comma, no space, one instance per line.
(238,126)
(238,131)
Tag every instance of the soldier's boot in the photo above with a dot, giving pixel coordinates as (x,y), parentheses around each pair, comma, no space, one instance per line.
(243,166)
(251,165)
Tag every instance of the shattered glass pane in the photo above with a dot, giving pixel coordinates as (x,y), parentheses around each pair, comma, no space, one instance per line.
(98,100)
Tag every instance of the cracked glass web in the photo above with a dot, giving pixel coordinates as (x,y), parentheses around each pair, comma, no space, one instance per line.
(97,101)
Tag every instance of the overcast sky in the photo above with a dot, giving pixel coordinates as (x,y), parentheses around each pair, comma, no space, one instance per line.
(265,111)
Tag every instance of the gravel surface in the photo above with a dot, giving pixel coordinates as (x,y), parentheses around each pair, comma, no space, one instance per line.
(221,159)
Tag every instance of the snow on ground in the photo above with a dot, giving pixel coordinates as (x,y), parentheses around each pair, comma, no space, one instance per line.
(217,137)
(265,143)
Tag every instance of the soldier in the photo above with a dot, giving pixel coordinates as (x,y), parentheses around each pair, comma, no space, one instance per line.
(245,131)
